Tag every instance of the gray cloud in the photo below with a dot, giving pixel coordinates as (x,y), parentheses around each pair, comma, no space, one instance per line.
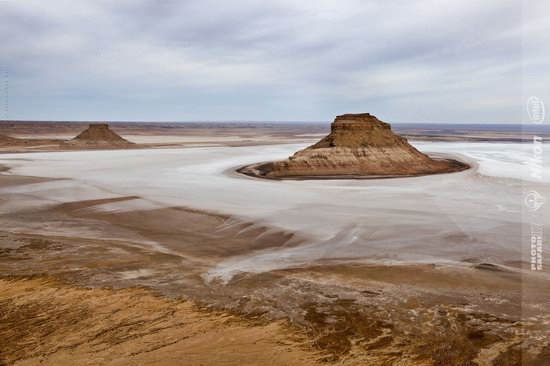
(423,61)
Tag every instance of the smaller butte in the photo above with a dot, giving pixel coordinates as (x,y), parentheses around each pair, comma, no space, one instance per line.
(358,146)
(100,135)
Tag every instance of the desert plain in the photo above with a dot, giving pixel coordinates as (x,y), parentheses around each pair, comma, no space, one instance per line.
(162,253)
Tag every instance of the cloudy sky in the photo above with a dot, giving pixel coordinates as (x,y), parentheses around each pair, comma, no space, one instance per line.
(273,60)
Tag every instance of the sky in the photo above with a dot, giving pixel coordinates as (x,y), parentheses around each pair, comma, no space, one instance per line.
(445,61)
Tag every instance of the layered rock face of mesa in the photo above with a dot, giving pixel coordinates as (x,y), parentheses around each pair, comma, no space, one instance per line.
(360,145)
(100,134)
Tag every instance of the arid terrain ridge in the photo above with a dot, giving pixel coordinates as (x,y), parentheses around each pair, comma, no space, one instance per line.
(415,131)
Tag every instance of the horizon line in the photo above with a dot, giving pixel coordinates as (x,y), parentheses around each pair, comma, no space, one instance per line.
(242,121)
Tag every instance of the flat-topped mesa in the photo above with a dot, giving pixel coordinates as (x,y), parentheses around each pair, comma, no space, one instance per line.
(100,133)
(358,146)
(359,121)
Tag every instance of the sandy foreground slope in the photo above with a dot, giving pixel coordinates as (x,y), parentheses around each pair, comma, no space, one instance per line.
(53,324)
